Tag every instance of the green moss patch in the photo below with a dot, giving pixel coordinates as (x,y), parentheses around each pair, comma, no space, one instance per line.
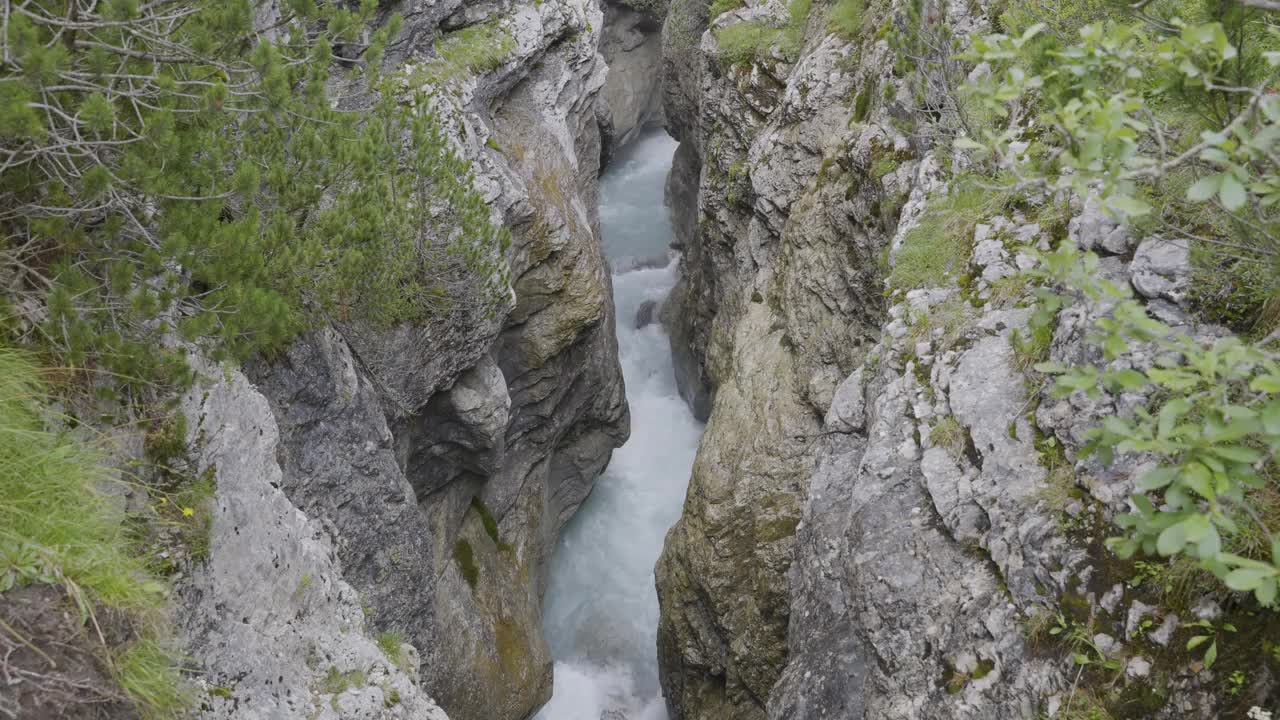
(465,557)
(490,523)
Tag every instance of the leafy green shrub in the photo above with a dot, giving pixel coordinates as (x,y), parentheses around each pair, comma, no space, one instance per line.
(219,195)
(1172,119)
(1215,437)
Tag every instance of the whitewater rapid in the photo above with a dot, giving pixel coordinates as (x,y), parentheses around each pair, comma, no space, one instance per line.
(601,613)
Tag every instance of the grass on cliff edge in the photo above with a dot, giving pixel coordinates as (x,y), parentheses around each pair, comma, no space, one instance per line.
(720,7)
(58,528)
(471,50)
(935,253)
(751,41)
(845,19)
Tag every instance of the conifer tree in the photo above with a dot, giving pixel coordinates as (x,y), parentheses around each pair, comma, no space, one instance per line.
(182,169)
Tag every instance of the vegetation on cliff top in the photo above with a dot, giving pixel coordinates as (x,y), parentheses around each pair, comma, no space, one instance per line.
(182,173)
(468,51)
(59,527)
(197,175)
(756,40)
(1170,117)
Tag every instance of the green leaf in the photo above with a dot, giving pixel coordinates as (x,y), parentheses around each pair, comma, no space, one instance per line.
(1237,453)
(1232,193)
(1157,478)
(1211,655)
(1271,417)
(1129,379)
(1172,540)
(1266,592)
(1170,413)
(1197,641)
(1247,579)
(1198,478)
(1204,188)
(1128,205)
(1266,383)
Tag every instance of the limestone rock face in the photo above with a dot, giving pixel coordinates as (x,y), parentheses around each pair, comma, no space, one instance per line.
(919,550)
(940,526)
(632,48)
(277,627)
(896,460)
(432,466)
(776,304)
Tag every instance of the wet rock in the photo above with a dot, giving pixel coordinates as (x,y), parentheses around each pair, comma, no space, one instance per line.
(647,314)
(631,45)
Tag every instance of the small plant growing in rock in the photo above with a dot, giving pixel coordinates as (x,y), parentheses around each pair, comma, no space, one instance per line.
(1216,436)
(391,644)
(336,682)
(845,19)
(948,433)
(1207,632)
(1236,682)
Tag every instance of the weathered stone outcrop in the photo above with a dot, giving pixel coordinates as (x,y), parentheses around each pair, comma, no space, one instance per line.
(632,48)
(430,468)
(775,305)
(277,627)
(903,466)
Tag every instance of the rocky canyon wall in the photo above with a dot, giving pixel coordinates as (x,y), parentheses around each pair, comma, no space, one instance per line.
(387,499)
(888,511)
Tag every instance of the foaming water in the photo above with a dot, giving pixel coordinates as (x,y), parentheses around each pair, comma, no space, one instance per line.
(601,613)
(633,217)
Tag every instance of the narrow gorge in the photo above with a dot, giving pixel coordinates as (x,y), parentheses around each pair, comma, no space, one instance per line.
(640,360)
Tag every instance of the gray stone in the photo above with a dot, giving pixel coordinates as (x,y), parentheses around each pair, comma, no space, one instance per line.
(1095,229)
(1137,668)
(631,46)
(1162,269)
(267,632)
(848,407)
(647,314)
(1137,611)
(1163,634)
